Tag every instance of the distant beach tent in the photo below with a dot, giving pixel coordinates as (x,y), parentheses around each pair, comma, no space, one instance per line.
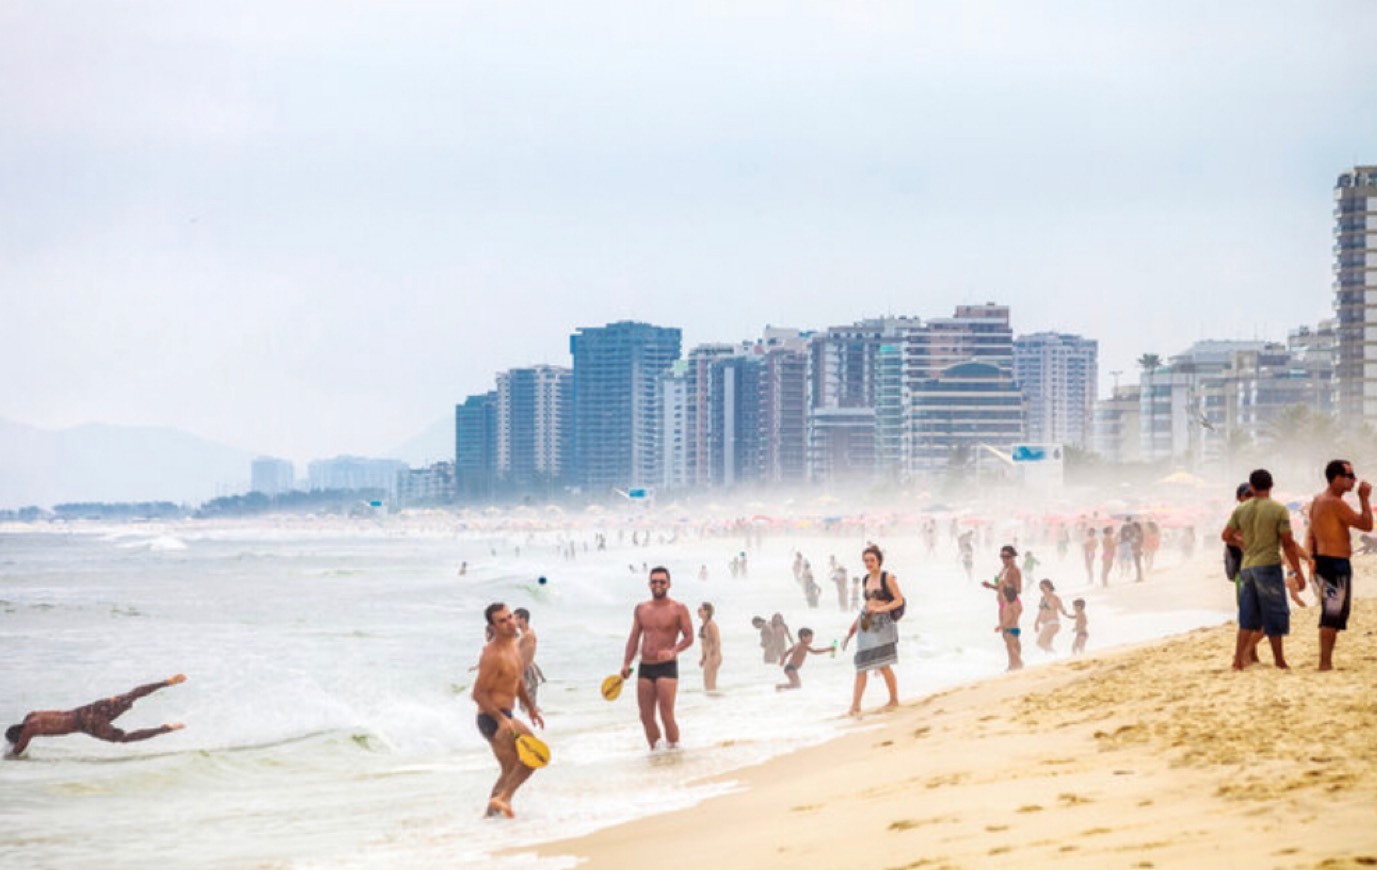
(1181,477)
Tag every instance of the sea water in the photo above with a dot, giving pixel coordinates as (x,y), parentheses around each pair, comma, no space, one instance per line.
(327,709)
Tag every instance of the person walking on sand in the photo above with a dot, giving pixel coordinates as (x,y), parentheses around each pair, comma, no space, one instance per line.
(875,629)
(496,690)
(1262,527)
(1331,544)
(711,637)
(96,719)
(531,675)
(660,629)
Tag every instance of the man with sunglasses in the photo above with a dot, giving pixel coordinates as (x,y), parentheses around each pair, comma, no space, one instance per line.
(1331,519)
(660,630)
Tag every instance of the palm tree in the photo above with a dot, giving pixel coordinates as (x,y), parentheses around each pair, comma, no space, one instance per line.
(1149,362)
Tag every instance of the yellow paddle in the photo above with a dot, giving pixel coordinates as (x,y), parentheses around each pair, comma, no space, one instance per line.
(612,687)
(532,751)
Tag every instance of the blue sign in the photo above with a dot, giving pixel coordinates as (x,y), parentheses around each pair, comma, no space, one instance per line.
(1029,453)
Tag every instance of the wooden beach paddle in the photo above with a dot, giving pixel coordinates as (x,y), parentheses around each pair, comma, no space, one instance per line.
(532,751)
(612,687)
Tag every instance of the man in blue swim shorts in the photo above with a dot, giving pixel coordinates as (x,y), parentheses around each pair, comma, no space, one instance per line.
(1261,527)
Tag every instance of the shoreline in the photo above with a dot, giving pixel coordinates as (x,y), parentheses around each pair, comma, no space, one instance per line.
(1151,755)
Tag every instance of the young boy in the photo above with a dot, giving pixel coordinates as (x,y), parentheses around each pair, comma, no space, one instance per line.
(1081,634)
(794,658)
(1008,627)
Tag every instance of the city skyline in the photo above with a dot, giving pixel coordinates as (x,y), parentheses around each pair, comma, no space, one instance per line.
(249,225)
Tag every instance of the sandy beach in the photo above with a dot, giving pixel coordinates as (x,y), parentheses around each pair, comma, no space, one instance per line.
(1152,756)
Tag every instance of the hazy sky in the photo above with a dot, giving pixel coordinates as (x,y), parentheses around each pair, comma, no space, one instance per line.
(312,228)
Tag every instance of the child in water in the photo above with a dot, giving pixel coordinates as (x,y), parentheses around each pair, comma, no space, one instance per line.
(1081,634)
(1008,627)
(794,658)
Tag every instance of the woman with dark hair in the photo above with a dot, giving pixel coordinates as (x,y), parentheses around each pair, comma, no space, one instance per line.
(875,629)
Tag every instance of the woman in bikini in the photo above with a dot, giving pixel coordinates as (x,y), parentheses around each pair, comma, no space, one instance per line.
(1048,621)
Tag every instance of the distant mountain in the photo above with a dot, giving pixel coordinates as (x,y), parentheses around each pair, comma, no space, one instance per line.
(99,462)
(434,444)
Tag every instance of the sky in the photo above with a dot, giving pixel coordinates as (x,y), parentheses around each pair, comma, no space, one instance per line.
(308,229)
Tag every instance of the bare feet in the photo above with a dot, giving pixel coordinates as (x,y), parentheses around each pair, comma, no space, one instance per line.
(497,806)
(176,726)
(854,712)
(180,678)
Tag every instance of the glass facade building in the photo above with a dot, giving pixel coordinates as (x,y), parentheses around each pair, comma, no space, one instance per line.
(616,379)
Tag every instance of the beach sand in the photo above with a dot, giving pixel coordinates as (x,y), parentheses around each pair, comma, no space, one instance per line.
(1152,756)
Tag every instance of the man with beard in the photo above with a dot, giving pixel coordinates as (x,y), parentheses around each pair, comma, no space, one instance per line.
(660,629)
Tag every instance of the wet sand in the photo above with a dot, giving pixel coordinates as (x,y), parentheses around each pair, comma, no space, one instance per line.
(1153,756)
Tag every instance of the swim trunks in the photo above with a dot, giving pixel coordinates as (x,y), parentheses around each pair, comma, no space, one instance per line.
(1336,591)
(1014,631)
(487,725)
(660,670)
(1262,601)
(790,668)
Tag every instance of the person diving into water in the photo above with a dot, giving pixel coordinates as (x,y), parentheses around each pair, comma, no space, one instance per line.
(96,719)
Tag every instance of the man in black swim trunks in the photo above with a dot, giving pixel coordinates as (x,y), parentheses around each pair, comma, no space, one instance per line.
(1330,540)
(96,719)
(496,690)
(660,630)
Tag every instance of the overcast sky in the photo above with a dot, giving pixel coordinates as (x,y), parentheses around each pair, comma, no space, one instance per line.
(312,228)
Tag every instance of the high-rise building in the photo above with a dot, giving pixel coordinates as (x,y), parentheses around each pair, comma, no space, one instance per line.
(271,476)
(1116,430)
(783,405)
(843,388)
(426,487)
(1058,374)
(735,451)
(1355,292)
(534,427)
(1184,404)
(355,473)
(698,411)
(616,376)
(475,447)
(672,404)
(959,387)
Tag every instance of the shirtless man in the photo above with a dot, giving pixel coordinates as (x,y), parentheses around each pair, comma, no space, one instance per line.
(496,690)
(96,719)
(531,674)
(1329,542)
(660,629)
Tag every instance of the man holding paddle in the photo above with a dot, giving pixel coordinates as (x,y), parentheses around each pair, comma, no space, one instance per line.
(660,630)
(496,690)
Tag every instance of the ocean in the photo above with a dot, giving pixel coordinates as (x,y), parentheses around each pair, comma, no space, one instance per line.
(327,709)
